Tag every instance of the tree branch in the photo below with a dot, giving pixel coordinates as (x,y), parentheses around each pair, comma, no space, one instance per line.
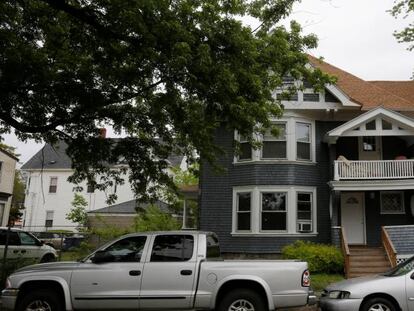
(90,19)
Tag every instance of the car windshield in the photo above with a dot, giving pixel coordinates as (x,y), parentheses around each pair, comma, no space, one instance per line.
(402,268)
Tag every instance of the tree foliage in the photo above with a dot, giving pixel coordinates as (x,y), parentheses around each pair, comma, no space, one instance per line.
(78,213)
(405,8)
(153,219)
(167,73)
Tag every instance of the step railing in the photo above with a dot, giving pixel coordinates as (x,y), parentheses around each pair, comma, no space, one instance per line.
(345,252)
(389,247)
(375,169)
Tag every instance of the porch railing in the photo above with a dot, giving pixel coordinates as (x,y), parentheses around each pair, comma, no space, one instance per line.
(389,247)
(345,251)
(376,169)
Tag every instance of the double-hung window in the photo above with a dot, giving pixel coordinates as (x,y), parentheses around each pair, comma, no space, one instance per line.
(303,141)
(53,185)
(273,211)
(243,210)
(245,149)
(275,147)
(304,211)
(49,219)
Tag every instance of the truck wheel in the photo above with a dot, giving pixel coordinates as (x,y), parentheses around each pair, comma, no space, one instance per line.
(40,300)
(378,304)
(242,300)
(48,258)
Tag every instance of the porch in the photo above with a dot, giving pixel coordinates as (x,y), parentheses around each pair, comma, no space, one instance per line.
(374,228)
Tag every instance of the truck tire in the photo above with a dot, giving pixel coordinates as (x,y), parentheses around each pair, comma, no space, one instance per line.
(242,299)
(378,303)
(42,299)
(48,258)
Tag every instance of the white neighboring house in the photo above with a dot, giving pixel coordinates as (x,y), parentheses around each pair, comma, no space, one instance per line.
(49,194)
(7,170)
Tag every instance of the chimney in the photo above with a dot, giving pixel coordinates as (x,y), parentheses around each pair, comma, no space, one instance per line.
(102,133)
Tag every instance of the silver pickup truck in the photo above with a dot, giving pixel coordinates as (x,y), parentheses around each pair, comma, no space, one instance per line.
(160,271)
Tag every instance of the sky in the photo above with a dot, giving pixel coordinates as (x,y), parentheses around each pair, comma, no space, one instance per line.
(354,35)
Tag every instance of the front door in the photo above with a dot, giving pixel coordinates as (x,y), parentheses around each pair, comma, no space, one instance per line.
(353,216)
(370,148)
(113,284)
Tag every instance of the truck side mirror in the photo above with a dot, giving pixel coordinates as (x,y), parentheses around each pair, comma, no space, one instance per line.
(102,256)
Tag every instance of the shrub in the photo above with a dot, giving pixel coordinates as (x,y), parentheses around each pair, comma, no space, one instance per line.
(321,258)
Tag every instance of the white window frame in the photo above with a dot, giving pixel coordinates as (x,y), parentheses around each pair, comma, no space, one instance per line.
(46,218)
(286,212)
(236,204)
(310,141)
(291,152)
(401,194)
(50,184)
(285,123)
(312,203)
(237,137)
(255,210)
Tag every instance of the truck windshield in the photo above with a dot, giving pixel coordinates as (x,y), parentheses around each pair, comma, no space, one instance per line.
(401,269)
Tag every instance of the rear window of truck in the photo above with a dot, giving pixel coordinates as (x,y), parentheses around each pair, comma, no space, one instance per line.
(213,247)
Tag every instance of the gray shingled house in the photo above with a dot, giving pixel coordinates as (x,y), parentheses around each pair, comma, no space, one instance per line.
(340,171)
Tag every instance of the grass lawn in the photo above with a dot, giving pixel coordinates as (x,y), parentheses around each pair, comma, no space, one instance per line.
(320,281)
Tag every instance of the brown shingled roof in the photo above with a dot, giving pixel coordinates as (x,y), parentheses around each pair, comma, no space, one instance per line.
(369,95)
(404,89)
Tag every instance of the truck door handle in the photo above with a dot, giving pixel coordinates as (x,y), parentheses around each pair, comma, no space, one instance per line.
(134,272)
(186,272)
(411,299)
(23,251)
(15,251)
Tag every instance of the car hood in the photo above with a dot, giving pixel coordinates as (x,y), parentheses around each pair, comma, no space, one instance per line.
(53,266)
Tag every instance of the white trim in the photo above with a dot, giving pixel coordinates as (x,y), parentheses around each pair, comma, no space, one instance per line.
(398,120)
(291,210)
(371,185)
(402,212)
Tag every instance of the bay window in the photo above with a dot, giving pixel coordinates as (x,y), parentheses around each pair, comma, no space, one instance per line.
(293,142)
(274,210)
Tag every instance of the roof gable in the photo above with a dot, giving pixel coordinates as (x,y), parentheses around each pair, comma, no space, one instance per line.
(396,125)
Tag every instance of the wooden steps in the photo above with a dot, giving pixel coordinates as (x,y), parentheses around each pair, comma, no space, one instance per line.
(365,261)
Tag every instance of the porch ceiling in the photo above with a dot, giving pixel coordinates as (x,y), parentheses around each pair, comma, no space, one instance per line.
(377,122)
(371,185)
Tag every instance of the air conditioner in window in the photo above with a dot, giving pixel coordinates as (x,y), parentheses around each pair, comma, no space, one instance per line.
(304,226)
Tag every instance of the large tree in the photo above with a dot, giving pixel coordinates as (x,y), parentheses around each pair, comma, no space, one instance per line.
(166,72)
(405,8)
